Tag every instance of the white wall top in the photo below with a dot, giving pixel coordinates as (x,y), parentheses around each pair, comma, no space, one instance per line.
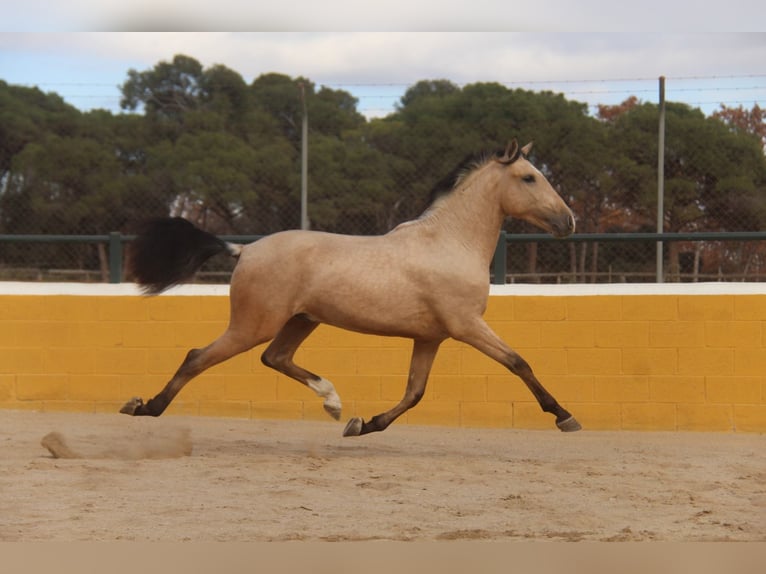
(518,289)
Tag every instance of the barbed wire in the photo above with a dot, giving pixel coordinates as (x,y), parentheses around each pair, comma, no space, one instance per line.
(112,101)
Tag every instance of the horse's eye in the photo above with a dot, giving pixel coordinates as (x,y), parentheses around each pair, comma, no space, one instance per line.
(528,179)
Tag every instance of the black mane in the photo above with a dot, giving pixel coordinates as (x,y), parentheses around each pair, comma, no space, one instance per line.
(448,183)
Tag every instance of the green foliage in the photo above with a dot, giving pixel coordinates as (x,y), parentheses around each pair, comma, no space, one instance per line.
(168,91)
(26,115)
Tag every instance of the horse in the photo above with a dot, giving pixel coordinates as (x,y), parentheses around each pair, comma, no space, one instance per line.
(426,280)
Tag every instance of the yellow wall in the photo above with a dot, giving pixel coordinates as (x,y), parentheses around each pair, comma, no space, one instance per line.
(633,362)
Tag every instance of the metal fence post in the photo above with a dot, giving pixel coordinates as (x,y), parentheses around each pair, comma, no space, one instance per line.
(305,224)
(661,180)
(115,257)
(499,260)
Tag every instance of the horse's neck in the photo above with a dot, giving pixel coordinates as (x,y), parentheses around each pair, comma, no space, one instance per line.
(471,214)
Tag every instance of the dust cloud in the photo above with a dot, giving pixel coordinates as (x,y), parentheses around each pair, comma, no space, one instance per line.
(171,443)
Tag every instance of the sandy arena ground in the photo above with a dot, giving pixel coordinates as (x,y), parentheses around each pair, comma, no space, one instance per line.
(202,479)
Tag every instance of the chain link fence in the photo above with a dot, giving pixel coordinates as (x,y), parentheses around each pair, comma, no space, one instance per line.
(68,184)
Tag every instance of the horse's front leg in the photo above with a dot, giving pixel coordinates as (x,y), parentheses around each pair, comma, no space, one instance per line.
(423,354)
(480,336)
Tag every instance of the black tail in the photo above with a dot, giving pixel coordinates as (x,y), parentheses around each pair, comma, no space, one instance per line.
(169,251)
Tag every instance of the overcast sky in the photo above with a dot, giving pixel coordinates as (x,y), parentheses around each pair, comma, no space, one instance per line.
(584,49)
(391,15)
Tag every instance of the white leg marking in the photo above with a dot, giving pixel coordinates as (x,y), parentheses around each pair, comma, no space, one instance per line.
(326,389)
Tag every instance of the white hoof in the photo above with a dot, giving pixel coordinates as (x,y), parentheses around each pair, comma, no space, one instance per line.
(333,409)
(326,389)
(131,406)
(354,427)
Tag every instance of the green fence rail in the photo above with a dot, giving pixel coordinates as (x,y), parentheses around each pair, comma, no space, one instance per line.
(116,241)
(499,262)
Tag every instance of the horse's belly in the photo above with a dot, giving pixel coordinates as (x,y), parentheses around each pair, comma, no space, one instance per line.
(411,327)
(384,316)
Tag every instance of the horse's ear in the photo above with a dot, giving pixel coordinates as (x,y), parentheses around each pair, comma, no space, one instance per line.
(511,154)
(526,149)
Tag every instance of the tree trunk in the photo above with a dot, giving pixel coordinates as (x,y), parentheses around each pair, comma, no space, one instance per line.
(532,261)
(594,263)
(696,271)
(573,261)
(583,257)
(103,262)
(674,265)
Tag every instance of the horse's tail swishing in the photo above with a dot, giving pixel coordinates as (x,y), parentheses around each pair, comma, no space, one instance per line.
(169,251)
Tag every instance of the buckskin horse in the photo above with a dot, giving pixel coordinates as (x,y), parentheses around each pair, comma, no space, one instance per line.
(427,280)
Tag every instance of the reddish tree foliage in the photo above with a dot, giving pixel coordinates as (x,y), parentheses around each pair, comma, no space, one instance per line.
(611,113)
(749,121)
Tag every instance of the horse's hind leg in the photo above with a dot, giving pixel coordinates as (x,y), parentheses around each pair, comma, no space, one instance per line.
(279,356)
(423,354)
(196,361)
(481,337)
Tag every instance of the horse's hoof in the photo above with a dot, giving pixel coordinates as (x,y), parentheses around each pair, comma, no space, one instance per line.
(354,427)
(568,425)
(132,406)
(333,410)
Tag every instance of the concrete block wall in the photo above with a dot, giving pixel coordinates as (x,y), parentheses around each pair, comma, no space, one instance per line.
(688,358)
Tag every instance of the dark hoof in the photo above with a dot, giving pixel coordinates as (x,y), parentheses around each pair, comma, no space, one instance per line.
(354,427)
(132,406)
(568,425)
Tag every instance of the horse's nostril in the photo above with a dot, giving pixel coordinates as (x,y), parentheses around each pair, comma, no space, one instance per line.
(571,222)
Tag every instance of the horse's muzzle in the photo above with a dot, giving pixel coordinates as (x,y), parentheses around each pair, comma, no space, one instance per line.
(564,226)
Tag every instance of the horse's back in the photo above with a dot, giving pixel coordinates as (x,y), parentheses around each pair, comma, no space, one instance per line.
(306,250)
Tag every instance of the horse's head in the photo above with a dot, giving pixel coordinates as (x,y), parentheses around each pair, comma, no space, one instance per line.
(527,195)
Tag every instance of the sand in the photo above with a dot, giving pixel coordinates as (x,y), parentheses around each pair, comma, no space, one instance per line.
(103,477)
